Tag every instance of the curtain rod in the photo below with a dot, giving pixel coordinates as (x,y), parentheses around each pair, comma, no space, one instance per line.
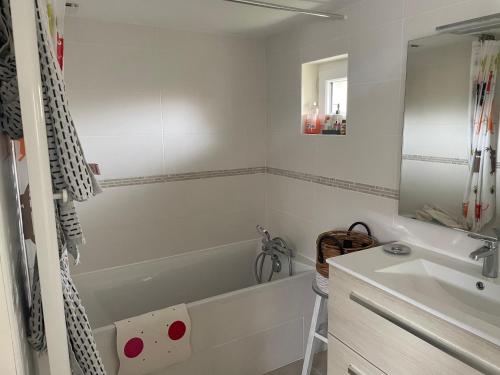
(261,4)
(478,25)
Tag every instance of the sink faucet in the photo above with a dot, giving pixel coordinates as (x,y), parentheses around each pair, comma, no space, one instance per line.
(488,252)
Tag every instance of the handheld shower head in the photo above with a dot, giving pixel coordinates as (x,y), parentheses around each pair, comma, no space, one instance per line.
(263,232)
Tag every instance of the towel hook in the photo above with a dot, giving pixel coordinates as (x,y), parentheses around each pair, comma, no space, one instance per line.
(63,195)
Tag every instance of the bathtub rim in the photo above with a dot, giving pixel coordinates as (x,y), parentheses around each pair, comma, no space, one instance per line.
(154,260)
(307,272)
(297,257)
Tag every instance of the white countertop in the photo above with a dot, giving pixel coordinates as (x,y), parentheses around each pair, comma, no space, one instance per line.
(438,284)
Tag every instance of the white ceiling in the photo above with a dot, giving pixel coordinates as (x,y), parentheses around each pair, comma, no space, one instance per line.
(215,16)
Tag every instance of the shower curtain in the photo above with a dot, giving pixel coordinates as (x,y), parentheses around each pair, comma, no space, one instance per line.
(69,171)
(479,204)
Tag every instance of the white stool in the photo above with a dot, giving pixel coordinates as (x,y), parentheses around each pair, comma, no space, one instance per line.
(318,330)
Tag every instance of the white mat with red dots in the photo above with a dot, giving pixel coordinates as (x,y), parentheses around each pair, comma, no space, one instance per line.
(153,341)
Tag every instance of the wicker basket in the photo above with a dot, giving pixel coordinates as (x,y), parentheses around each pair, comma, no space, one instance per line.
(339,242)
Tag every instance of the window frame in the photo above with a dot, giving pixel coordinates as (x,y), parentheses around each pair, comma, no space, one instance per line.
(329,84)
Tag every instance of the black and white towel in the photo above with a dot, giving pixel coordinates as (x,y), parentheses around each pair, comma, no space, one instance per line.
(69,172)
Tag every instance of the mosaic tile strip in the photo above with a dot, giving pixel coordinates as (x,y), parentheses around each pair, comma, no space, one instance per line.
(327,181)
(338,183)
(436,159)
(179,177)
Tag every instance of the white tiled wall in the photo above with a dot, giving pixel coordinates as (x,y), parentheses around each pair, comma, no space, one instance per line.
(135,223)
(375,37)
(149,101)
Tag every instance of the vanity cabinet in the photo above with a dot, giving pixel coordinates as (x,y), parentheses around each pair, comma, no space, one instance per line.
(346,362)
(374,332)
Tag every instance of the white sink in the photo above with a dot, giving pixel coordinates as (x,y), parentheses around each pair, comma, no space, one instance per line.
(449,288)
(478,297)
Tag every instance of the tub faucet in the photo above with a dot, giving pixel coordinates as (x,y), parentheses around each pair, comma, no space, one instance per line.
(489,253)
(272,247)
(276,244)
(279,245)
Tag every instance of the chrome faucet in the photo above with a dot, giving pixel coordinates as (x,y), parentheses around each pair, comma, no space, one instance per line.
(489,253)
(272,248)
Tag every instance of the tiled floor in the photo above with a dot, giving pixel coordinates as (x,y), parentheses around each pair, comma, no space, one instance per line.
(319,367)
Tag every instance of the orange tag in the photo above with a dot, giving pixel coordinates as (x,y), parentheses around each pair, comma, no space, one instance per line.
(22,149)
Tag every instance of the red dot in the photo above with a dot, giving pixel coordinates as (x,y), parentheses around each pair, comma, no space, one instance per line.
(176,330)
(133,347)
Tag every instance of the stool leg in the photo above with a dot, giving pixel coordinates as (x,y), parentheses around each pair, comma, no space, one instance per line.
(309,354)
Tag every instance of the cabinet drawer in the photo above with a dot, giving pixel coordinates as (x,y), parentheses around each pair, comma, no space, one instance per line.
(356,317)
(342,360)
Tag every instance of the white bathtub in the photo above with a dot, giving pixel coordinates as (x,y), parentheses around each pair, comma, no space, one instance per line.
(238,327)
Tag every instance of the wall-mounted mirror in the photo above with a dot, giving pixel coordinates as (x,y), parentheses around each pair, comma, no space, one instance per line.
(449,172)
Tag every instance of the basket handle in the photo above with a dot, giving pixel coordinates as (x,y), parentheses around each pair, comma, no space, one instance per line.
(368,231)
(324,236)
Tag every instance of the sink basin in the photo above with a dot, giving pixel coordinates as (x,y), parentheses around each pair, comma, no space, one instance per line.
(449,288)
(478,297)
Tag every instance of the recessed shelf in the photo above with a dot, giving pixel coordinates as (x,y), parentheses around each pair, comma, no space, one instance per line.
(324,135)
(324,96)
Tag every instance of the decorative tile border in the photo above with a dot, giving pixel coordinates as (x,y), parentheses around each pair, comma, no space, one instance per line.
(438,159)
(327,181)
(338,183)
(179,177)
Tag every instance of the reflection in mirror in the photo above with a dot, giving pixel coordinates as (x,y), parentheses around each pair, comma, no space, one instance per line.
(449,168)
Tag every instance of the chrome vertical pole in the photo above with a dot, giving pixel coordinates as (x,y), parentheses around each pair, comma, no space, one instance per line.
(35,136)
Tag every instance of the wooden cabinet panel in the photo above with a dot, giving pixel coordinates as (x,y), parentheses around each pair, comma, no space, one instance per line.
(399,338)
(343,361)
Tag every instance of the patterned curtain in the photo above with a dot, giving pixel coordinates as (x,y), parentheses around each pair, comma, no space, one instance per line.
(479,203)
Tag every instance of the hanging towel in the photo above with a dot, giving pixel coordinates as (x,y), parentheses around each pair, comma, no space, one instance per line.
(434,213)
(153,341)
(69,171)
(68,168)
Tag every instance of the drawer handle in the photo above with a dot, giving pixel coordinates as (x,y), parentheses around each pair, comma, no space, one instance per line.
(418,332)
(352,370)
